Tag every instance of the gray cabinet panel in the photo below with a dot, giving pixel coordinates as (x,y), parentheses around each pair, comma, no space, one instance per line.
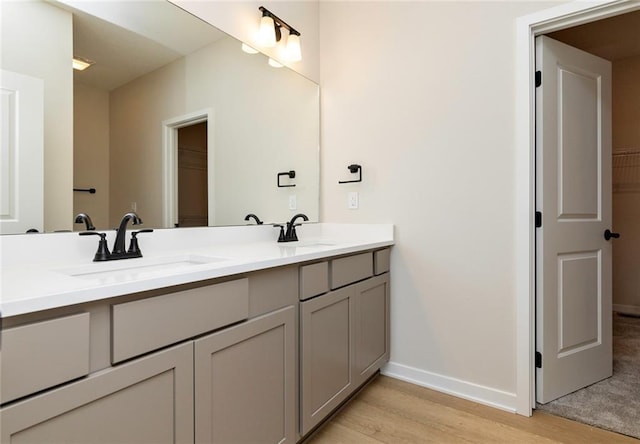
(350,269)
(326,363)
(381,261)
(245,382)
(370,327)
(149,324)
(149,400)
(36,356)
(272,289)
(314,279)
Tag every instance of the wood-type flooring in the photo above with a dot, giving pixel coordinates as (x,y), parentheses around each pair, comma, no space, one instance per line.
(395,412)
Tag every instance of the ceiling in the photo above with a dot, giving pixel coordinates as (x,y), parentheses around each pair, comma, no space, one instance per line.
(121,55)
(612,39)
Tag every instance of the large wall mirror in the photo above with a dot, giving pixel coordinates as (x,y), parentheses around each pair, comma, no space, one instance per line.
(173,119)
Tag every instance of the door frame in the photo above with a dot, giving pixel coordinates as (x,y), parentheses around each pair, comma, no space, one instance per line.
(527,28)
(170,163)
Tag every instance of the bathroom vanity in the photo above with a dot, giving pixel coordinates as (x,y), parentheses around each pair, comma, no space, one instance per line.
(240,340)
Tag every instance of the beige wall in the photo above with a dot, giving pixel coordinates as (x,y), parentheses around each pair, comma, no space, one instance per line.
(422,95)
(136,142)
(258,130)
(91,154)
(626,104)
(626,203)
(44,50)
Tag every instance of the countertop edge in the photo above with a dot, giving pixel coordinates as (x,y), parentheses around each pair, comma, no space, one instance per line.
(89,294)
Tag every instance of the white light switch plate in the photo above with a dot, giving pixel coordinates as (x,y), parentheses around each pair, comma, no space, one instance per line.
(293,202)
(352,202)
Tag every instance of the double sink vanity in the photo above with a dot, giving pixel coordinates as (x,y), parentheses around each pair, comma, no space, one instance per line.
(216,335)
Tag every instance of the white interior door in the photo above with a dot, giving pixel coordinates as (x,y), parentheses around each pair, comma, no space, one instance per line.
(573,193)
(21,152)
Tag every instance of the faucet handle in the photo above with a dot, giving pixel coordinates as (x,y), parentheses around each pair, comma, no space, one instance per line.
(103,253)
(134,248)
(281,237)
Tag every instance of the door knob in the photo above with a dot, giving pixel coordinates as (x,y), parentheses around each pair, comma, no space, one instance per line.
(609,234)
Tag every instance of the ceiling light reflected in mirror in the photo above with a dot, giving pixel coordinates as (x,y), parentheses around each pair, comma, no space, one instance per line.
(248,49)
(80,64)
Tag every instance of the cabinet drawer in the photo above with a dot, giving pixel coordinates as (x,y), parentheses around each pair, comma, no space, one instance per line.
(314,280)
(41,355)
(347,270)
(149,400)
(149,324)
(381,261)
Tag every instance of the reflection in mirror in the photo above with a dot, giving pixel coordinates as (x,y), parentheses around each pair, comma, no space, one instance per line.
(176,122)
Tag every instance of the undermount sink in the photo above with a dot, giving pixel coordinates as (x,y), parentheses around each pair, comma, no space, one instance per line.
(316,244)
(135,269)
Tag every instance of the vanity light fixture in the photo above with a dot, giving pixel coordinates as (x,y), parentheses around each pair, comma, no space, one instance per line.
(81,64)
(271,33)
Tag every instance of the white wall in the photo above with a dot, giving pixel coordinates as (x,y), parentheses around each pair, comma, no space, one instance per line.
(37,41)
(626,202)
(422,95)
(91,154)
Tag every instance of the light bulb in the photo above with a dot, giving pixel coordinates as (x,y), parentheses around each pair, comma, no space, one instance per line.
(293,51)
(267,32)
(274,63)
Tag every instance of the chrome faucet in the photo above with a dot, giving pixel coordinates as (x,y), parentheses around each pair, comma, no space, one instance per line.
(119,252)
(84,217)
(290,235)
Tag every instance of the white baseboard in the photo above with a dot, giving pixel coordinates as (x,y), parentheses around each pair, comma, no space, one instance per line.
(628,309)
(452,386)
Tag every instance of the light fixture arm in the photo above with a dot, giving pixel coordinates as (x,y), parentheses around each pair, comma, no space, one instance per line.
(279,23)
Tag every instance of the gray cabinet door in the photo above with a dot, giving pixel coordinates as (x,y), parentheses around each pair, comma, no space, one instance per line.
(326,357)
(149,400)
(370,327)
(245,383)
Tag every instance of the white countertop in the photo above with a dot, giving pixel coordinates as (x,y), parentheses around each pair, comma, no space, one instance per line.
(41,272)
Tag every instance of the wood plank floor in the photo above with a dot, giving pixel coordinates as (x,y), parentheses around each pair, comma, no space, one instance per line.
(395,412)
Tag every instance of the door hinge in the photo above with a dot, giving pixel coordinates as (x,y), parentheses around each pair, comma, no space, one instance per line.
(538,78)
(538,219)
(538,360)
